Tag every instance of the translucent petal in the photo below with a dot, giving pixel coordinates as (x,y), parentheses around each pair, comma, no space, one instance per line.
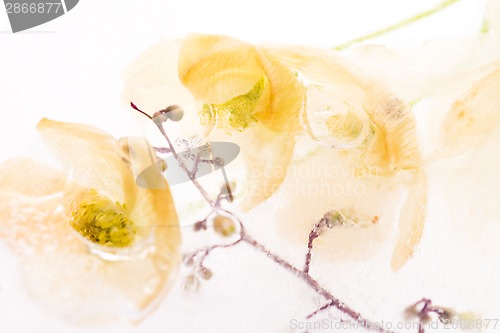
(93,157)
(60,268)
(473,117)
(411,222)
(392,145)
(283,111)
(267,155)
(218,68)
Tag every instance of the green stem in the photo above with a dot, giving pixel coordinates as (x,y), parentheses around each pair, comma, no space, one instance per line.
(398,25)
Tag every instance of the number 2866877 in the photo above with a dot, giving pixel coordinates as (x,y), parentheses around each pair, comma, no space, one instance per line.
(26,7)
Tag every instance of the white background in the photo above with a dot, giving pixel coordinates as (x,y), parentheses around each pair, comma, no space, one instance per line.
(71,69)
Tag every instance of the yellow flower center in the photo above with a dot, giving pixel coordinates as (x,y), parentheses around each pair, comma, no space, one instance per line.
(235,113)
(103,222)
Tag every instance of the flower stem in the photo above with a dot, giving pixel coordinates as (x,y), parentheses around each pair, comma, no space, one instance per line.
(309,280)
(183,166)
(397,25)
(303,274)
(172,150)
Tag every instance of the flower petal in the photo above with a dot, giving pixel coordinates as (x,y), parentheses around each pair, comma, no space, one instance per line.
(58,267)
(93,158)
(267,155)
(473,117)
(217,68)
(282,113)
(393,145)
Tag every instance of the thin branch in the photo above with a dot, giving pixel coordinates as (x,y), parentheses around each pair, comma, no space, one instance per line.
(162,150)
(311,282)
(176,156)
(315,232)
(198,257)
(137,109)
(184,167)
(322,308)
